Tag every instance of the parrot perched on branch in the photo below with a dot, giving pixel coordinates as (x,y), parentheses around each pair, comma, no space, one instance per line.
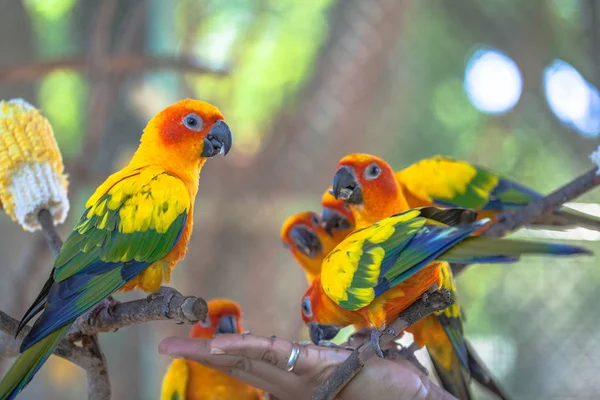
(372,192)
(303,235)
(378,271)
(445,182)
(189,380)
(134,230)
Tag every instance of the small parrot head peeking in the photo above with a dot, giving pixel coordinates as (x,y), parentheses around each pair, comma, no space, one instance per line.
(337,217)
(360,177)
(299,234)
(185,134)
(306,306)
(224,316)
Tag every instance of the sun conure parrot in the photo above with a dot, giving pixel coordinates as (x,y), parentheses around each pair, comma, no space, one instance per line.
(378,271)
(373,194)
(303,235)
(134,230)
(189,380)
(445,182)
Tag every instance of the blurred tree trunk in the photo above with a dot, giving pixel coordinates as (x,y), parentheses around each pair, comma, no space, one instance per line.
(330,119)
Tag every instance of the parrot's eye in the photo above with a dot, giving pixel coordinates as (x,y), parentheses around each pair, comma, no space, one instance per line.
(206,323)
(193,122)
(372,171)
(315,220)
(306,308)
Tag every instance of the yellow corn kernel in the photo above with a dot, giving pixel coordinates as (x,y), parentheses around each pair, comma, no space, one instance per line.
(31,168)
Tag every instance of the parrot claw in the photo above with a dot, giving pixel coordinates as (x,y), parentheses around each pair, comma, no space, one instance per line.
(432,289)
(108,303)
(302,342)
(375,335)
(246,333)
(328,343)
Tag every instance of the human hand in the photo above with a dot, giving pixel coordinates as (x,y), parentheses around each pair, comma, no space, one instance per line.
(261,362)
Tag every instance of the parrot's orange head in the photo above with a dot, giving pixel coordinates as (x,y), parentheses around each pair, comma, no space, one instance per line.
(360,177)
(317,310)
(224,316)
(300,234)
(337,218)
(185,134)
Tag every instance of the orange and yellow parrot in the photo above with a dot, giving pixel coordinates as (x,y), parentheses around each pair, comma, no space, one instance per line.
(378,271)
(189,380)
(372,192)
(445,182)
(303,235)
(134,230)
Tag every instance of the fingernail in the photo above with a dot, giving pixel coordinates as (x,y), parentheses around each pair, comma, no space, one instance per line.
(216,350)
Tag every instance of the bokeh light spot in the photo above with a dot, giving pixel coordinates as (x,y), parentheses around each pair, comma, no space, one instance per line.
(493,81)
(572,99)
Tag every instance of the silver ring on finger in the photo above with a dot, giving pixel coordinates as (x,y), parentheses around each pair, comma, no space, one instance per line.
(293,357)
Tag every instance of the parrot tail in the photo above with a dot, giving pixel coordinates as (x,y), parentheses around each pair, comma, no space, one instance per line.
(28,363)
(480,373)
(493,250)
(568,217)
(453,377)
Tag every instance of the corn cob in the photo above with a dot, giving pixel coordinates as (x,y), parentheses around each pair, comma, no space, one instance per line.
(31,167)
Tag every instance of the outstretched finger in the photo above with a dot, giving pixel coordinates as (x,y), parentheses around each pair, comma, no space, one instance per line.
(278,352)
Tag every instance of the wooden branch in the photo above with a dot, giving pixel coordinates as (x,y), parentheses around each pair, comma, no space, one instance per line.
(168,304)
(506,223)
(509,222)
(344,372)
(49,229)
(115,64)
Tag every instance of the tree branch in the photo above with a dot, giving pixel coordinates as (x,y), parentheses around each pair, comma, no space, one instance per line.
(509,222)
(171,305)
(506,223)
(344,372)
(115,64)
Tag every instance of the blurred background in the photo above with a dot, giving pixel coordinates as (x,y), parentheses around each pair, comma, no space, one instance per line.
(507,84)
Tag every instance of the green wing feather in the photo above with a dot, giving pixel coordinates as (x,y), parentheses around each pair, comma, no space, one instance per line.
(372,260)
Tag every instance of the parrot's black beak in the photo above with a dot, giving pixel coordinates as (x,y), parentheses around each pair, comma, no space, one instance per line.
(218,140)
(320,332)
(333,220)
(227,324)
(306,241)
(346,187)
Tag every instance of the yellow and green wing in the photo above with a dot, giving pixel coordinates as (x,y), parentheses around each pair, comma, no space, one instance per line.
(127,226)
(446,182)
(372,260)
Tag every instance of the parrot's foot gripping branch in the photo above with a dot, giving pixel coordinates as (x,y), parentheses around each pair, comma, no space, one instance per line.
(166,304)
(344,372)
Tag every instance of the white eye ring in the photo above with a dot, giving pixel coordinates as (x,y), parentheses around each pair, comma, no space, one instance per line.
(193,122)
(206,323)
(372,172)
(306,308)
